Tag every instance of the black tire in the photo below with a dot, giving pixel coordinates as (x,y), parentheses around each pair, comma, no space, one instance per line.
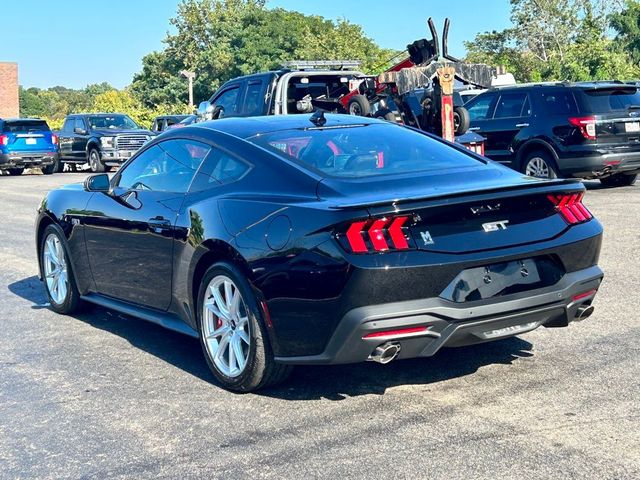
(359,105)
(53,168)
(71,302)
(260,369)
(461,120)
(539,161)
(619,180)
(386,114)
(15,171)
(93,159)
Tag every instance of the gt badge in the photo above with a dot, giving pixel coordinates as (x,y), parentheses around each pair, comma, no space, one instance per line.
(426,238)
(495,226)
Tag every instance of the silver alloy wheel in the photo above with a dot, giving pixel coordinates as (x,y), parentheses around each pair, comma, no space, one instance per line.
(94,161)
(354,109)
(538,167)
(55,269)
(226,327)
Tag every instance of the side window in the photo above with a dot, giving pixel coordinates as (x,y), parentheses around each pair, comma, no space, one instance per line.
(481,107)
(69,125)
(510,105)
(168,166)
(254,99)
(220,168)
(228,100)
(79,123)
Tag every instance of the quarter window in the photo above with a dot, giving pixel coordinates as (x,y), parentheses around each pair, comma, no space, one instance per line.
(254,100)
(168,166)
(220,168)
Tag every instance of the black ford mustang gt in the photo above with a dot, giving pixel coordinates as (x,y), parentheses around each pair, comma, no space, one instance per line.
(282,240)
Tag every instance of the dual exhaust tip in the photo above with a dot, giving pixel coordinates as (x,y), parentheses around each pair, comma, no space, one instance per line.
(385,353)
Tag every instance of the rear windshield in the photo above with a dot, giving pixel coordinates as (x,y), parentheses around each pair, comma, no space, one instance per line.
(604,100)
(363,150)
(25,126)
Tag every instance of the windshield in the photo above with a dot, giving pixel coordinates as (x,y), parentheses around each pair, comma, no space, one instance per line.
(363,150)
(116,122)
(605,100)
(24,126)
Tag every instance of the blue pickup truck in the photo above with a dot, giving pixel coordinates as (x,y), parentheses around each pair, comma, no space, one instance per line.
(27,143)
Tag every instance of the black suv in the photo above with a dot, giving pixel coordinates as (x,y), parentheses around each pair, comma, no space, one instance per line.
(584,130)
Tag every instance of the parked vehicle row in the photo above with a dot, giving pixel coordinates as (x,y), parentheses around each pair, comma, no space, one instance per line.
(582,130)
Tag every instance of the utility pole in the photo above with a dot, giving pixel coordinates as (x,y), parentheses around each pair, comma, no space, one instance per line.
(189,76)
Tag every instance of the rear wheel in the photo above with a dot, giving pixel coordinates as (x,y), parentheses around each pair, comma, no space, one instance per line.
(94,162)
(540,164)
(619,180)
(359,105)
(233,333)
(53,168)
(15,171)
(56,272)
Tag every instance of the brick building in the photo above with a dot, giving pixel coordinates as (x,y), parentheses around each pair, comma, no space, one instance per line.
(9,100)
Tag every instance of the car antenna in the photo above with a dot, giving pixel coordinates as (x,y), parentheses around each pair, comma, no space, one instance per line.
(318,118)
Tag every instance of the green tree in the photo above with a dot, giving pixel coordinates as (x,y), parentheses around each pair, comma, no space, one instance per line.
(626,24)
(222,39)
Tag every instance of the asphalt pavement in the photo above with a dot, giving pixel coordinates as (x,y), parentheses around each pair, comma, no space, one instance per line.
(102,395)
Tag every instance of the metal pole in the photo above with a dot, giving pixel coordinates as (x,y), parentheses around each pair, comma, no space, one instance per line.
(189,76)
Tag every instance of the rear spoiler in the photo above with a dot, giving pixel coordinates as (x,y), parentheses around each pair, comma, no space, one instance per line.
(540,186)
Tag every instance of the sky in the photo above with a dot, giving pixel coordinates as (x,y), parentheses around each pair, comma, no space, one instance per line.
(78,42)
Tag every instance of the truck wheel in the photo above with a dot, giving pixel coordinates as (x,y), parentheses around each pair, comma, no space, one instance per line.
(359,105)
(94,161)
(233,333)
(15,171)
(461,120)
(619,180)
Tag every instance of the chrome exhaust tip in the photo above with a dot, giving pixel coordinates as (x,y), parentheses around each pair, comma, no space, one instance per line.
(385,353)
(584,312)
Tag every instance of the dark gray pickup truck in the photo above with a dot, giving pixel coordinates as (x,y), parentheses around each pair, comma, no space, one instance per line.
(102,140)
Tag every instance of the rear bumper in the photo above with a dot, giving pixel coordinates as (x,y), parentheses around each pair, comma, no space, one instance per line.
(27,159)
(454,324)
(599,164)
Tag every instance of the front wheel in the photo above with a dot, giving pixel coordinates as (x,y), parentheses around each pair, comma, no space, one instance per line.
(94,162)
(619,180)
(359,105)
(461,120)
(540,164)
(233,333)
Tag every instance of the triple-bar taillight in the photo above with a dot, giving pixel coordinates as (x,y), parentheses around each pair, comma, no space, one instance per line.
(378,235)
(570,207)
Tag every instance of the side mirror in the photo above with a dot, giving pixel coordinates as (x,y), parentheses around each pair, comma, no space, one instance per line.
(98,183)
(203,109)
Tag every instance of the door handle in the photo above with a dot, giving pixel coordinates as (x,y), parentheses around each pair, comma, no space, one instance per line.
(158,224)
(473,129)
(522,125)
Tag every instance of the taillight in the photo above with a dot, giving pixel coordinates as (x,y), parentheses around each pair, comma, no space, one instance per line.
(54,139)
(587,126)
(377,235)
(570,207)
(4,140)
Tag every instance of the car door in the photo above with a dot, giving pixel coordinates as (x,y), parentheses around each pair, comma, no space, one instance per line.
(66,138)
(130,231)
(80,139)
(511,118)
(481,111)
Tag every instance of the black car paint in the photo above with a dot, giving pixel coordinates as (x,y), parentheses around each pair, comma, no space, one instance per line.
(510,140)
(277,225)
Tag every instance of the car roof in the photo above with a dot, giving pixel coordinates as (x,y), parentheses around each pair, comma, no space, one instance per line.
(244,127)
(583,85)
(22,120)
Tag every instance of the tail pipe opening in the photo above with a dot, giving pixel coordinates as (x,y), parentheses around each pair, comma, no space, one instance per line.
(385,353)
(584,312)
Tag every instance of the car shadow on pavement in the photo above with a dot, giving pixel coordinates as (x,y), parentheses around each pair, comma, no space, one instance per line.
(335,382)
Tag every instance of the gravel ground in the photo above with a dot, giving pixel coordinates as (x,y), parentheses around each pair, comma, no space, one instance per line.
(102,395)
